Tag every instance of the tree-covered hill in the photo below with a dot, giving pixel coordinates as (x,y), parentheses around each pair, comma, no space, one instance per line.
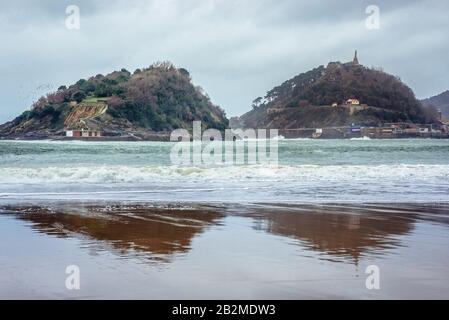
(306,100)
(159,98)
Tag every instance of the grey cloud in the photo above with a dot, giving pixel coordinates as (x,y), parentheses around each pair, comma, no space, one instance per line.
(236,50)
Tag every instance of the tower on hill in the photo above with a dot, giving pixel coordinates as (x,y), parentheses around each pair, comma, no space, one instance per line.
(356,60)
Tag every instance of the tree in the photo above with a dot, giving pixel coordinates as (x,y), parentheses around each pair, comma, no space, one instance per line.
(87,87)
(79,96)
(184,72)
(80,82)
(163,65)
(56,97)
(257,102)
(115,101)
(40,103)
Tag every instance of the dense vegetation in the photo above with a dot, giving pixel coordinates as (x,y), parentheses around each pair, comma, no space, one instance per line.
(440,102)
(338,82)
(159,98)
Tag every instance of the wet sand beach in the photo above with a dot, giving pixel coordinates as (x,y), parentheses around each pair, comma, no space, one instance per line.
(224,251)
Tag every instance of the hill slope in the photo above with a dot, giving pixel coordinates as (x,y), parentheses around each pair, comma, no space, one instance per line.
(306,100)
(440,101)
(159,98)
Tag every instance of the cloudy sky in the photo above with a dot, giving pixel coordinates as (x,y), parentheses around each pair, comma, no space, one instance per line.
(235,49)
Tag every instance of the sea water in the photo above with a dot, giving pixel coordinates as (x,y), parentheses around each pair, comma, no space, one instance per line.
(318,171)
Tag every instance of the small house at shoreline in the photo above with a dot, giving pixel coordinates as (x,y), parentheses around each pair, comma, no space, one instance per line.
(83,134)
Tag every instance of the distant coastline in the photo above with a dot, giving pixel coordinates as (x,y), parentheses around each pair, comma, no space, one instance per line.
(345,133)
(340,101)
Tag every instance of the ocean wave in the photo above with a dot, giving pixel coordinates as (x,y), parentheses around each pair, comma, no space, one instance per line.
(361,139)
(152,174)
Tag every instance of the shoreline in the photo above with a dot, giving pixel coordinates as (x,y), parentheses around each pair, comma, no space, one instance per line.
(174,251)
(325,133)
(209,203)
(423,210)
(167,139)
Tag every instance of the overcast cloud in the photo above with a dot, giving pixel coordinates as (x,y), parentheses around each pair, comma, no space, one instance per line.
(235,49)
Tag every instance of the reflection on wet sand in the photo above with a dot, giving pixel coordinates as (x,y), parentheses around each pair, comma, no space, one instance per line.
(349,231)
(159,232)
(227,251)
(339,232)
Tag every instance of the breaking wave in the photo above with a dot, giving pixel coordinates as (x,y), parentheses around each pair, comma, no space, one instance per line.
(300,173)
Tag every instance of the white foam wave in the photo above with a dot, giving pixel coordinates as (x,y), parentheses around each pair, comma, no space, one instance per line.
(151,174)
(361,139)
